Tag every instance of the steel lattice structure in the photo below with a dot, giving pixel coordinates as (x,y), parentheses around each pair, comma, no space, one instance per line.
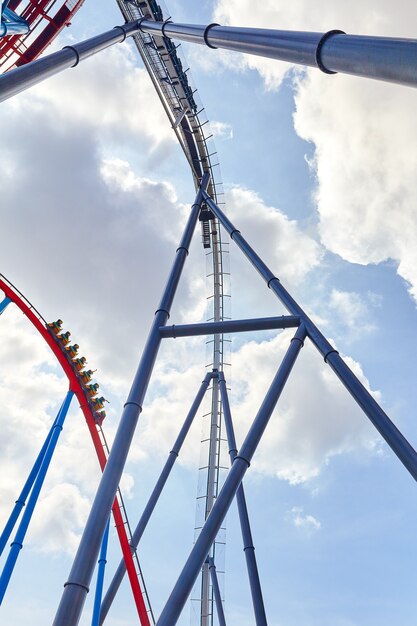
(382,58)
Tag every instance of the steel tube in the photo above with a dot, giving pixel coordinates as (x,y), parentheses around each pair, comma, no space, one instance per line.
(26,76)
(3,304)
(154,497)
(77,586)
(198,555)
(394,438)
(17,544)
(100,577)
(383,58)
(230,326)
(248,547)
(21,501)
(216,591)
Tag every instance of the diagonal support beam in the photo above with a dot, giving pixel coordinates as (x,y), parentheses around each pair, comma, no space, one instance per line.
(154,497)
(211,527)
(77,586)
(95,621)
(17,544)
(32,73)
(248,547)
(21,500)
(3,304)
(216,591)
(394,438)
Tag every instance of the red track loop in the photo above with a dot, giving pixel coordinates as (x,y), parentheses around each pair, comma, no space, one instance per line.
(74,384)
(46,19)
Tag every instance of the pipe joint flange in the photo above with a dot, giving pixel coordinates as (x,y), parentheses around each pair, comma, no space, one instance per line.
(270,281)
(329,353)
(70,582)
(164,25)
(319,48)
(182,248)
(205,35)
(75,51)
(123,29)
(234,232)
(162,311)
(134,404)
(142,19)
(298,339)
(242,458)
(248,548)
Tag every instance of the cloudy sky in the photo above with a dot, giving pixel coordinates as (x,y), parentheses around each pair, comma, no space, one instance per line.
(319,174)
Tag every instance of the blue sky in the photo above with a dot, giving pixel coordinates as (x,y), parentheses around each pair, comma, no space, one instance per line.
(319,174)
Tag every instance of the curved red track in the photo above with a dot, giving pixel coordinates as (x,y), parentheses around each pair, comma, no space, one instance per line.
(74,384)
(46,19)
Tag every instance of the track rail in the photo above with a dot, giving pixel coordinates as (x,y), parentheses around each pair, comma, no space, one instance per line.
(170,77)
(46,19)
(99,442)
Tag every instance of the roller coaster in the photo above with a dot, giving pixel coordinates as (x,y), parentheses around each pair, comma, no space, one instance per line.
(27,29)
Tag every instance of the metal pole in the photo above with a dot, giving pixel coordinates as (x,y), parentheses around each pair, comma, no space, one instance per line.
(3,304)
(77,586)
(216,591)
(11,24)
(394,438)
(100,576)
(248,547)
(198,555)
(17,544)
(21,501)
(157,490)
(26,76)
(213,458)
(230,326)
(384,58)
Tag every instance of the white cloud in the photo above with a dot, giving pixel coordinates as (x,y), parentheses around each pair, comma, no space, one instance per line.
(59,519)
(352,312)
(364,132)
(313,422)
(304,521)
(283,245)
(109,95)
(221,130)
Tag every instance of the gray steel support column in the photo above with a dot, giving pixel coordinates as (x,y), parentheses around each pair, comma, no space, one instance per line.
(77,586)
(394,438)
(198,555)
(216,591)
(230,326)
(384,58)
(26,76)
(248,547)
(154,497)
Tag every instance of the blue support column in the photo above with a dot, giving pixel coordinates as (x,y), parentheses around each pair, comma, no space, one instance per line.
(216,591)
(17,544)
(77,586)
(387,429)
(100,577)
(3,304)
(198,555)
(157,490)
(21,501)
(248,547)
